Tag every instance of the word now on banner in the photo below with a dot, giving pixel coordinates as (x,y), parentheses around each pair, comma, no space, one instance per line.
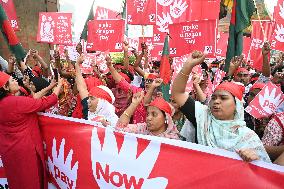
(83,154)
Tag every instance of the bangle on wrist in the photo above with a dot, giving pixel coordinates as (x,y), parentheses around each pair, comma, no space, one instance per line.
(181,72)
(126,114)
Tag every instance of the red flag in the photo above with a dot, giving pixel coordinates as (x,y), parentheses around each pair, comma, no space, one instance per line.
(222,43)
(141,12)
(10,10)
(105,35)
(257,41)
(55,28)
(106,14)
(196,35)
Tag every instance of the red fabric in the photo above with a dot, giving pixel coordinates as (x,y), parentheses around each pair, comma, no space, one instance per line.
(21,146)
(162,105)
(241,70)
(4,78)
(10,33)
(100,93)
(152,76)
(235,89)
(125,77)
(37,71)
(165,69)
(233,16)
(257,86)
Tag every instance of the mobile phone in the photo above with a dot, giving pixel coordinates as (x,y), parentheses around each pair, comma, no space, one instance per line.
(55,74)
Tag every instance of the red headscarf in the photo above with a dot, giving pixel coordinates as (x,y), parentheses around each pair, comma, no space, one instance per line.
(4,78)
(125,77)
(241,70)
(102,92)
(235,89)
(162,105)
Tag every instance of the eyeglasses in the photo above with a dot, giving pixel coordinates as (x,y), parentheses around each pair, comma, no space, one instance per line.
(148,81)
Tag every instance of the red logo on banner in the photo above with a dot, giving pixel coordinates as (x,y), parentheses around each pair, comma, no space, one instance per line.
(222,43)
(266,101)
(55,28)
(196,35)
(278,36)
(101,62)
(106,14)
(8,6)
(105,35)
(141,12)
(257,41)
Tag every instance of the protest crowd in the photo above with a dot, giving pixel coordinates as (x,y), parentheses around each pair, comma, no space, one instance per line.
(203,102)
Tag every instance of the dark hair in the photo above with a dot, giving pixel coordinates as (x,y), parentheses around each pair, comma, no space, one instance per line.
(3,93)
(39,83)
(131,77)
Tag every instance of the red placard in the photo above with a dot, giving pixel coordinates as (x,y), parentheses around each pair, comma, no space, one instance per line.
(141,12)
(222,43)
(101,62)
(218,76)
(55,28)
(10,10)
(277,42)
(196,35)
(258,38)
(266,101)
(246,47)
(106,14)
(105,35)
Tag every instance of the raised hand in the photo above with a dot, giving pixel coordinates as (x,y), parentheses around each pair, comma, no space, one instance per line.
(108,61)
(79,48)
(235,63)
(195,58)
(125,46)
(58,164)
(107,156)
(196,79)
(12,59)
(81,59)
(157,82)
(137,97)
(266,49)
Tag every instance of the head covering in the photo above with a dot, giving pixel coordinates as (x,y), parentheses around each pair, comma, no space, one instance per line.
(102,92)
(37,71)
(236,90)
(125,77)
(230,135)
(152,76)
(241,70)
(39,83)
(258,85)
(4,78)
(162,105)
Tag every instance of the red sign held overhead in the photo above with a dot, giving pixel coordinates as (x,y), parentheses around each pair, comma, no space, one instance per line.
(205,9)
(10,10)
(105,35)
(278,36)
(246,47)
(266,101)
(196,35)
(222,44)
(258,38)
(55,28)
(141,12)
(106,14)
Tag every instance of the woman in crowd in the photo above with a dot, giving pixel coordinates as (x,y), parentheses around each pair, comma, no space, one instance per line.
(98,102)
(21,146)
(158,121)
(221,124)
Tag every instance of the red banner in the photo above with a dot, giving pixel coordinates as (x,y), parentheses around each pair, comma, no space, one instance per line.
(218,76)
(105,35)
(258,38)
(106,14)
(55,28)
(196,35)
(246,47)
(205,9)
(266,101)
(141,12)
(222,43)
(82,154)
(8,6)
(278,36)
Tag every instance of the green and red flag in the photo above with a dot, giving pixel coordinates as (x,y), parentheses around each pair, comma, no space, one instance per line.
(240,19)
(10,36)
(165,70)
(84,33)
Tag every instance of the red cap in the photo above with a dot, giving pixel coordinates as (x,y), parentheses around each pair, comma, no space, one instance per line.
(162,105)
(4,78)
(241,70)
(235,89)
(152,76)
(125,77)
(102,92)
(257,86)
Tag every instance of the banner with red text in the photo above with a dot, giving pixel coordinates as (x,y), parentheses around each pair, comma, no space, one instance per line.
(55,28)
(105,35)
(196,35)
(266,101)
(82,154)
(9,7)
(141,12)
(258,38)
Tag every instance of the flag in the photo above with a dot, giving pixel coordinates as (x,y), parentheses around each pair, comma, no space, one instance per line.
(10,36)
(240,19)
(90,17)
(165,70)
